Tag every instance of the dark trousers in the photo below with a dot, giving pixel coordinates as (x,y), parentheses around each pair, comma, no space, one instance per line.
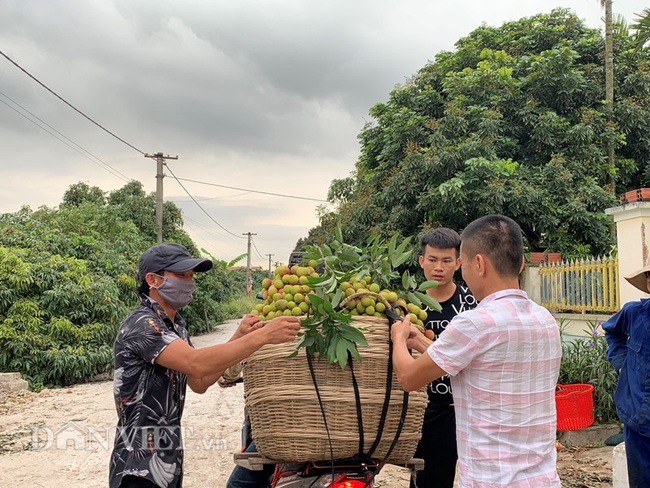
(637,451)
(137,482)
(438,449)
(245,478)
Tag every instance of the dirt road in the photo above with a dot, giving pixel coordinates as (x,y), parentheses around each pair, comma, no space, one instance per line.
(64,437)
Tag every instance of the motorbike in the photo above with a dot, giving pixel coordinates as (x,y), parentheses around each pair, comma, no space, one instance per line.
(348,473)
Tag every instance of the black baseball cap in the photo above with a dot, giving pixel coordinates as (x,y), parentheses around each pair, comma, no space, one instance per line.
(170,257)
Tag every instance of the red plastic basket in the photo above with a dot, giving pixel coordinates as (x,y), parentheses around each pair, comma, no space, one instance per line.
(575,406)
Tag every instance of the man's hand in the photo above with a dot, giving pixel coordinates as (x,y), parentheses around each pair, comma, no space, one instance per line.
(249,323)
(281,329)
(417,340)
(411,373)
(401,331)
(223,383)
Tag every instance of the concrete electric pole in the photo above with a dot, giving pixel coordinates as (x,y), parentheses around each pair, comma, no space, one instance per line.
(160,159)
(269,255)
(249,273)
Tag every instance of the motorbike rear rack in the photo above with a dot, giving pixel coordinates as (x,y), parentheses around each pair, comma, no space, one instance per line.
(256,461)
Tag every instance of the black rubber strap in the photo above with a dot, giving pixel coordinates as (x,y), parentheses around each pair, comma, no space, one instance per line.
(357,399)
(322,408)
(400,426)
(387,395)
(392,317)
(402,419)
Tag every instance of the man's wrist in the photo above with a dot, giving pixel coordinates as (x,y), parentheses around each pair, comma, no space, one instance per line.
(238,333)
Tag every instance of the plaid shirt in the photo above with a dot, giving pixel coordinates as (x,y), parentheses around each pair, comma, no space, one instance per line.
(504,359)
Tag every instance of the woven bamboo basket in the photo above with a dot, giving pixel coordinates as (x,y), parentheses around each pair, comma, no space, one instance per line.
(285,416)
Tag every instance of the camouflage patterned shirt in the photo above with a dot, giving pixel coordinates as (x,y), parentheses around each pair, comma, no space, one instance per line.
(149,399)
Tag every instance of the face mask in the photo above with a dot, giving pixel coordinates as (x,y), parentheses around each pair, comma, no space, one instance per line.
(177,293)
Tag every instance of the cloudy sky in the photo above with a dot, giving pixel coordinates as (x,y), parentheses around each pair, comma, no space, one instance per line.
(259,96)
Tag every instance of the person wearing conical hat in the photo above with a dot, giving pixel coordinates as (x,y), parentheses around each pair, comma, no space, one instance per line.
(628,350)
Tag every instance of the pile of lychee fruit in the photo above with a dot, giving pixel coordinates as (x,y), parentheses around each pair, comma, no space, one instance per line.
(287,293)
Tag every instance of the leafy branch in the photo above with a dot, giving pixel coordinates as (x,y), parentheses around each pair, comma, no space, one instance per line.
(329,332)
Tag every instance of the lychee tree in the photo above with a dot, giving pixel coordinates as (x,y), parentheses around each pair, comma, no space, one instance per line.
(513,121)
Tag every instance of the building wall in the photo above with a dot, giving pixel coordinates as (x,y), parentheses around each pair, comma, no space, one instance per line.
(633,241)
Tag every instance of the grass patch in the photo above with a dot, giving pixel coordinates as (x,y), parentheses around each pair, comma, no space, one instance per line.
(239,306)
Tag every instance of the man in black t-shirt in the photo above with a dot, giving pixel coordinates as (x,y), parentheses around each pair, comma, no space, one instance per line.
(439,261)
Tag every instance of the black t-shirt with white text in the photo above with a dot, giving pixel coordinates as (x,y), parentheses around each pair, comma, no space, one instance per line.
(440,390)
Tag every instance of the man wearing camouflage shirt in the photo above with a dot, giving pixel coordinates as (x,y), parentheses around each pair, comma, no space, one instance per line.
(155,362)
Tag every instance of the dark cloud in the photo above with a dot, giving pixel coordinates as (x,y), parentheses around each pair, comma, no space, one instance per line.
(256,94)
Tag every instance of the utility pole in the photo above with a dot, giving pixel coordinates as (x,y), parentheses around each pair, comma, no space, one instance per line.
(160,160)
(249,274)
(269,255)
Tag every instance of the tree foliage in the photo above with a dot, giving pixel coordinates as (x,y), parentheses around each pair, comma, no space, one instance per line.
(641,27)
(68,278)
(513,121)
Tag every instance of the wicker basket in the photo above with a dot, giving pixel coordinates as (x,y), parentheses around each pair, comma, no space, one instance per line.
(287,421)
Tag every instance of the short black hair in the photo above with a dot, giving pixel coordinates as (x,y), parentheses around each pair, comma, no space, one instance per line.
(500,239)
(143,287)
(441,238)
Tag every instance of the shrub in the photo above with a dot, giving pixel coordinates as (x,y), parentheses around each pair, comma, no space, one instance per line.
(68,278)
(584,360)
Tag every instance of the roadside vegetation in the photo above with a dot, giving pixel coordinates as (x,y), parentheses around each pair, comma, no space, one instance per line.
(68,278)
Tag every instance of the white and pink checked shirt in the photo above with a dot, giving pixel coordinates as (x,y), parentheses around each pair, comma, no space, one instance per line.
(504,360)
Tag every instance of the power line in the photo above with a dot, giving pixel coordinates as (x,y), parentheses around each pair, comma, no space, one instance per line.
(214,198)
(108,167)
(204,229)
(254,191)
(218,243)
(115,172)
(255,246)
(187,221)
(199,205)
(68,103)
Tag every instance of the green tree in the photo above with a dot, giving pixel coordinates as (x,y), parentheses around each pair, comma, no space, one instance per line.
(68,278)
(513,121)
(80,193)
(140,208)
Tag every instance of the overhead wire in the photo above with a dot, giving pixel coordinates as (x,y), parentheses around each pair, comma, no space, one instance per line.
(254,191)
(203,228)
(107,168)
(224,247)
(115,172)
(256,250)
(85,152)
(200,207)
(187,221)
(68,103)
(216,198)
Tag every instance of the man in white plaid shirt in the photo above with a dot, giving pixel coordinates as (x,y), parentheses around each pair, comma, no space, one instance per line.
(503,358)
